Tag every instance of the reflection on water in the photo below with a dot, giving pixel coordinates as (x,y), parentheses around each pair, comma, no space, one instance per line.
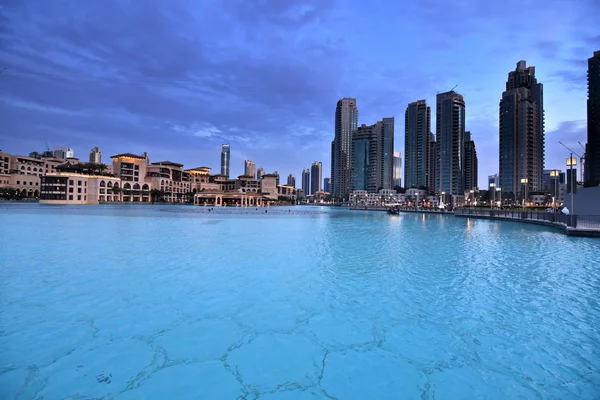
(304,302)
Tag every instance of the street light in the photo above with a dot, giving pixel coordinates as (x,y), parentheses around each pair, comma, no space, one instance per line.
(571,162)
(524,182)
(471,197)
(443,200)
(554,174)
(492,186)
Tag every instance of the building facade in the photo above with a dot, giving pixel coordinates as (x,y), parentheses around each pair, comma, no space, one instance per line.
(385,153)
(250,168)
(225,159)
(397,179)
(450,143)
(471,163)
(260,173)
(592,152)
(417,128)
(96,156)
(291,180)
(346,122)
(364,158)
(316,177)
(521,132)
(327,185)
(306,181)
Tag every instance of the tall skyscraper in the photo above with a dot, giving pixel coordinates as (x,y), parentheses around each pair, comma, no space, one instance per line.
(69,152)
(327,185)
(96,156)
(432,163)
(364,158)
(225,159)
(306,181)
(470,163)
(417,128)
(592,151)
(276,173)
(450,146)
(250,168)
(260,173)
(332,165)
(316,174)
(385,153)
(291,180)
(397,169)
(346,121)
(521,132)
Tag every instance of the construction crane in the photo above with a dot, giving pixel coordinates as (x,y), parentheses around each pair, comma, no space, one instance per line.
(455,86)
(581,158)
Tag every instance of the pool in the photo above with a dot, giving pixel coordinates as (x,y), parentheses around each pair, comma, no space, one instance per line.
(157,302)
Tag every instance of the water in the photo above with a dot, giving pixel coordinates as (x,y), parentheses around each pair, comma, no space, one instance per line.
(159,302)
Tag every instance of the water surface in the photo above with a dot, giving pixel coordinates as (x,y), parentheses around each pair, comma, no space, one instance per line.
(157,302)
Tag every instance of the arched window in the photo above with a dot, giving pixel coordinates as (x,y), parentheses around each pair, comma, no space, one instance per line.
(109,184)
(127,186)
(145,187)
(136,186)
(102,184)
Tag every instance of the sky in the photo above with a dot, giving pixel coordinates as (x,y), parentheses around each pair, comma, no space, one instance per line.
(179,78)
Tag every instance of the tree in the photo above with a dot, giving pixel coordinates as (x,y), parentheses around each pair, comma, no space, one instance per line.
(156,195)
(47,154)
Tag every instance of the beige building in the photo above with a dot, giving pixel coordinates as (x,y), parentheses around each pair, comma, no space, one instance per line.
(131,170)
(268,186)
(67,185)
(170,178)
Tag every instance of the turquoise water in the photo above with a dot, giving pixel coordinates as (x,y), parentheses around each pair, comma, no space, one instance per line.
(160,302)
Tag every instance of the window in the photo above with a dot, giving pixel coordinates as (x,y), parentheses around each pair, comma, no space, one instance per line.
(78,183)
(79,191)
(70,190)
(70,197)
(78,197)
(71,182)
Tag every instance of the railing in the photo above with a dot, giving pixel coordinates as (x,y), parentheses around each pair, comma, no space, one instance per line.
(572,221)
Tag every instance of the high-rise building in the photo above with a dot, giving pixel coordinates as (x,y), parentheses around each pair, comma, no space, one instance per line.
(250,168)
(431,163)
(493,179)
(332,165)
(364,158)
(316,174)
(385,153)
(521,132)
(306,181)
(225,159)
(276,174)
(346,121)
(327,185)
(450,143)
(96,156)
(470,163)
(592,150)
(260,173)
(291,180)
(417,128)
(397,169)
(69,152)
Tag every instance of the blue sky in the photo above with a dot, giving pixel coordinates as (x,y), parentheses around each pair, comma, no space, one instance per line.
(178,78)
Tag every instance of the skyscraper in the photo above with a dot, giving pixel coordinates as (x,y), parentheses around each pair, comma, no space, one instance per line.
(332,165)
(417,128)
(450,142)
(432,163)
(250,168)
(521,132)
(291,180)
(276,173)
(260,172)
(592,152)
(327,185)
(346,121)
(225,159)
(385,153)
(96,156)
(397,169)
(470,163)
(316,173)
(306,181)
(364,158)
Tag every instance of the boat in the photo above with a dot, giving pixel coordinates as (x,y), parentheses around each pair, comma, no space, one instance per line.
(394,210)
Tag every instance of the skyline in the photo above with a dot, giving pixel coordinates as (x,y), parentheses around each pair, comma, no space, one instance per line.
(143,77)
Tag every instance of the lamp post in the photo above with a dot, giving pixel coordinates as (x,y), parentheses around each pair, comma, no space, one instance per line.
(571,162)
(492,186)
(443,199)
(471,192)
(524,182)
(554,175)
